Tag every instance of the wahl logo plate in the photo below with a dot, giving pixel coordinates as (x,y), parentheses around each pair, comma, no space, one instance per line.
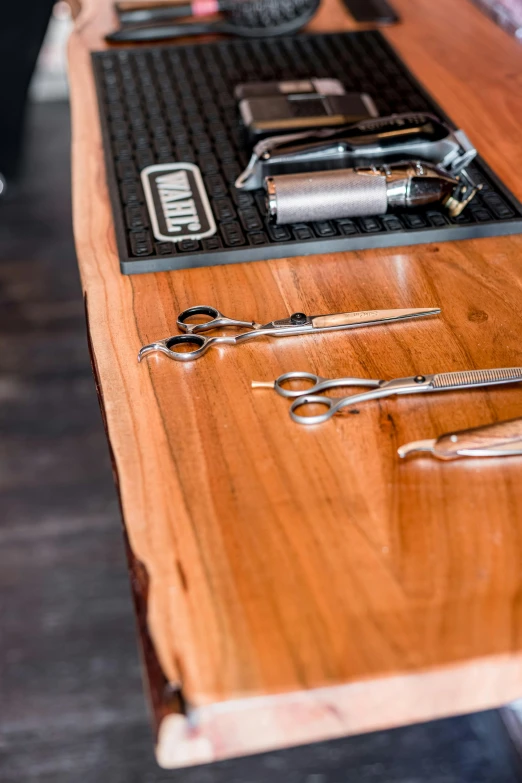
(177,202)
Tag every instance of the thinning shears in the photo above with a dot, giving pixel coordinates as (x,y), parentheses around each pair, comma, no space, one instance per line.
(447,381)
(192,344)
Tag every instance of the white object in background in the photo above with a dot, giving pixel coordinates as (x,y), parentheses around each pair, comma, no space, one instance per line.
(49,81)
(506,13)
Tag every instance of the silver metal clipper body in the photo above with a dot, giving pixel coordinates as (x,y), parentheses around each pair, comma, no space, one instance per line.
(326,195)
(382,140)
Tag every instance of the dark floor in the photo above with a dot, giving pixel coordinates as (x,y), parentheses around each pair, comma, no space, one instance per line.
(71,703)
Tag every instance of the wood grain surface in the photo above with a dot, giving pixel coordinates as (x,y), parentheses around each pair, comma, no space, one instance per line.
(68,634)
(303,583)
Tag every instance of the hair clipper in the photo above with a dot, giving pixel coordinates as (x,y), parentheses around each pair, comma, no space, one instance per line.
(361,192)
(382,140)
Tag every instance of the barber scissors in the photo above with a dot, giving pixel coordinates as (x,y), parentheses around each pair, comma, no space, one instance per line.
(448,381)
(193,344)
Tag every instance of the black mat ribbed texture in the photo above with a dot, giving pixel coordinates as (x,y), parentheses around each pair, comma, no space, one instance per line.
(175,103)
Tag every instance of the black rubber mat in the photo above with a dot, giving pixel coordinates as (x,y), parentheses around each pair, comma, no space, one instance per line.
(175,104)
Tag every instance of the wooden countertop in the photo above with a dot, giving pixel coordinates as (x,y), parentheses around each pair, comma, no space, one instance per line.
(295,584)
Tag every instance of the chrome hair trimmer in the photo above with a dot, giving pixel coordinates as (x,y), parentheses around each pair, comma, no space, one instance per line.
(361,192)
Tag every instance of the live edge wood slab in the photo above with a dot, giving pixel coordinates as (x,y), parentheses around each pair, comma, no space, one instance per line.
(295,584)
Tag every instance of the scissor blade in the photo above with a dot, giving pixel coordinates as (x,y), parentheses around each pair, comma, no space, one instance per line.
(504,450)
(366,317)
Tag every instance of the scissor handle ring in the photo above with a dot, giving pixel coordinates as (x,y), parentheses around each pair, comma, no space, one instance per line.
(295,376)
(197,310)
(201,343)
(327,402)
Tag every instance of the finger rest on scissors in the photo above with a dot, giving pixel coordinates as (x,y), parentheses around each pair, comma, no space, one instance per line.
(158,347)
(186,340)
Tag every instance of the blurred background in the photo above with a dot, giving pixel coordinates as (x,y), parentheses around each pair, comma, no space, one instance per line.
(72,706)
